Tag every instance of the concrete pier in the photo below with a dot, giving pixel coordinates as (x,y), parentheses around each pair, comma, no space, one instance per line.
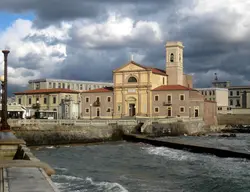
(186,146)
(20,170)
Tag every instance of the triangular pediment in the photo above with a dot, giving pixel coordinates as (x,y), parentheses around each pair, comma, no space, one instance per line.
(130,66)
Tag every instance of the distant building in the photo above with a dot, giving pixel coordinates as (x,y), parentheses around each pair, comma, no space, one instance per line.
(56,103)
(239,97)
(66,84)
(219,95)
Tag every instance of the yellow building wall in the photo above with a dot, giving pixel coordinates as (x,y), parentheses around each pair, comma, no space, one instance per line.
(157,80)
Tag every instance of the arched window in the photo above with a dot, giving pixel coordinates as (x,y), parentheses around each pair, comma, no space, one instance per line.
(132,80)
(172,57)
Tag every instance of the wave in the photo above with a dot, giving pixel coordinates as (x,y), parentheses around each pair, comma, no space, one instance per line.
(170,153)
(107,186)
(70,183)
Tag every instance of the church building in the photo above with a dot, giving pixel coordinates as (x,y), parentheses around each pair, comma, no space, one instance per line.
(144,91)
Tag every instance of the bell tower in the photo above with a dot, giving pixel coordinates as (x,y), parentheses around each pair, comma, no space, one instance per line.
(174,62)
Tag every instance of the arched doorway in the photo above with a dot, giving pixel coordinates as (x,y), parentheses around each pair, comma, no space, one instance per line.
(131,106)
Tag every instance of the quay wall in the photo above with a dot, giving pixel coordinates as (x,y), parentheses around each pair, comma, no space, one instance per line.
(63,134)
(233,119)
(46,133)
(198,127)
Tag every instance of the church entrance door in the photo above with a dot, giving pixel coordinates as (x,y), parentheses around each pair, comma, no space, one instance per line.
(131,109)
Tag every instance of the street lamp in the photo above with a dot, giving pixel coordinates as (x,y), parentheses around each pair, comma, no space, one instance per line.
(189,112)
(90,111)
(4,78)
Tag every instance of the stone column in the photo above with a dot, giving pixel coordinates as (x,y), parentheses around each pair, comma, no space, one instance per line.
(139,95)
(123,96)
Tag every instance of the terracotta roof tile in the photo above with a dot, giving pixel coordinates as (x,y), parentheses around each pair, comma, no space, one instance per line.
(172,88)
(100,90)
(40,91)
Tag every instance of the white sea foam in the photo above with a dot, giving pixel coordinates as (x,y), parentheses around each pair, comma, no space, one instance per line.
(107,186)
(170,153)
(50,147)
(61,169)
(68,177)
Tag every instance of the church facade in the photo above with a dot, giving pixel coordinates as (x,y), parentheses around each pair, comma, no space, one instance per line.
(149,92)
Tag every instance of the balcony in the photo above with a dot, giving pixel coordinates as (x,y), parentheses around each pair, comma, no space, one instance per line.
(97,104)
(167,103)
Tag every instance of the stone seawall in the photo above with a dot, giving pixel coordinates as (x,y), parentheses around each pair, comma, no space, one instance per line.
(234,119)
(181,128)
(59,135)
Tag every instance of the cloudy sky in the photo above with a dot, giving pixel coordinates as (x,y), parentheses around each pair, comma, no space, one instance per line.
(87,39)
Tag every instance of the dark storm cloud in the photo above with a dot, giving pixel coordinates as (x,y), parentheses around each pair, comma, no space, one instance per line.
(52,11)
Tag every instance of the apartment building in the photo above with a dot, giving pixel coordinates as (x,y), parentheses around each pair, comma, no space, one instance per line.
(219,95)
(66,84)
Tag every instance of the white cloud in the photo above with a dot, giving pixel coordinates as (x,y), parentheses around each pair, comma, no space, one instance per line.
(115,31)
(232,16)
(23,40)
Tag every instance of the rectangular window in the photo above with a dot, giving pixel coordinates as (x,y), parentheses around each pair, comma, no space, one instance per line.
(182,97)
(87,110)
(231,102)
(156,109)
(50,85)
(54,85)
(80,87)
(19,101)
(59,85)
(238,102)
(119,108)
(97,99)
(54,100)
(68,86)
(156,97)
(219,108)
(210,92)
(109,99)
(213,92)
(63,85)
(238,93)
(169,99)
(163,80)
(87,99)
(29,101)
(108,110)
(45,100)
(182,109)
(231,93)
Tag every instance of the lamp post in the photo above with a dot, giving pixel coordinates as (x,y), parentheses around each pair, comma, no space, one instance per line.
(4,80)
(90,111)
(189,112)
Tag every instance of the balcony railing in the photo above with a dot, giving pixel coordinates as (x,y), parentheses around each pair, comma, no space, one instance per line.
(97,104)
(167,103)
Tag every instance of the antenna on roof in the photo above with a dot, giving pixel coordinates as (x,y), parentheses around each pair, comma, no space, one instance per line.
(216,77)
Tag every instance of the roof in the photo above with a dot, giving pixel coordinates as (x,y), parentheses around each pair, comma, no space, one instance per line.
(153,69)
(69,81)
(239,87)
(212,89)
(173,88)
(100,90)
(40,91)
